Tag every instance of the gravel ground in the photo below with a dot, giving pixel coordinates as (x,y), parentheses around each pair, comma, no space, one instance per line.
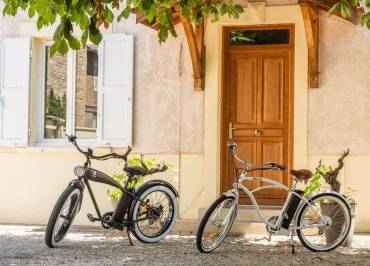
(24,245)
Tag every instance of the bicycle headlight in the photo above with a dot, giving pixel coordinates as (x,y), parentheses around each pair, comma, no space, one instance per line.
(79,171)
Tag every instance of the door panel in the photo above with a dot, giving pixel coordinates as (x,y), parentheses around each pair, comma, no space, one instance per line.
(246,90)
(273,90)
(257,107)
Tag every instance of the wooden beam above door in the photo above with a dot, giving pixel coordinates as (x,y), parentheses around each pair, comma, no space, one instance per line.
(195,38)
(311,22)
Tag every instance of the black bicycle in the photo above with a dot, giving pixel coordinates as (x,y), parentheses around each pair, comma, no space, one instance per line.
(149,212)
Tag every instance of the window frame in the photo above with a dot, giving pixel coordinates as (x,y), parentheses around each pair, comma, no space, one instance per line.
(71,103)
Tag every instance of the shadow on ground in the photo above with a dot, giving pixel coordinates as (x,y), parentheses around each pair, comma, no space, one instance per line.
(24,245)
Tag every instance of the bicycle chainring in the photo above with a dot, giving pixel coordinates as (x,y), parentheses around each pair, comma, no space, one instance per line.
(106,218)
(272,220)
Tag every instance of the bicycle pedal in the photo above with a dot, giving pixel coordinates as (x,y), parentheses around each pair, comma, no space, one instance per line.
(92,218)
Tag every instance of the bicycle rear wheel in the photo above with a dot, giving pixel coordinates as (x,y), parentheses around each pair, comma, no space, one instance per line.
(336,213)
(216,224)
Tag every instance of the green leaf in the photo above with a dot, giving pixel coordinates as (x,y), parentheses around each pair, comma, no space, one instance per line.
(84,37)
(345,9)
(94,34)
(125,13)
(108,15)
(40,23)
(31,11)
(74,43)
(63,48)
(186,11)
(334,8)
(54,48)
(367,3)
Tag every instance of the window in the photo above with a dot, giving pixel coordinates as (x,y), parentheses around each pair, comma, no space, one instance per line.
(87,93)
(70,99)
(259,37)
(55,106)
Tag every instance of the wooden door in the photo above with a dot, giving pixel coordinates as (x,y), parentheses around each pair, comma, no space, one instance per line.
(257,114)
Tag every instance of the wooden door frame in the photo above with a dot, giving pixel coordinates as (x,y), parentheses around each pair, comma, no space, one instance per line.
(225,90)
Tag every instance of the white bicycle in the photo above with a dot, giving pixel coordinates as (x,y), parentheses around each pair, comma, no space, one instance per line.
(321,221)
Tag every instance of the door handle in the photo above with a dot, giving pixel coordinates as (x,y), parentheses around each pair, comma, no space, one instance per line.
(231,128)
(257,132)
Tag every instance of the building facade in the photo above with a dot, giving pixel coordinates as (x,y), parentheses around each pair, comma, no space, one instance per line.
(174,123)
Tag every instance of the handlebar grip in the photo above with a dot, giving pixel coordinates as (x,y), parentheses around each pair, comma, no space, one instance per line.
(232,145)
(71,138)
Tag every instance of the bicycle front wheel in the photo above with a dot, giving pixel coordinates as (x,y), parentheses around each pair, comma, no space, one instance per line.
(326,233)
(62,216)
(216,223)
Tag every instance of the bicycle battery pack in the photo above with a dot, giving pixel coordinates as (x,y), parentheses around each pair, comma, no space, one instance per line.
(122,207)
(291,208)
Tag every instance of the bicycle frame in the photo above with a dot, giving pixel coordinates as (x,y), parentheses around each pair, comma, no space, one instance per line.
(272,184)
(99,177)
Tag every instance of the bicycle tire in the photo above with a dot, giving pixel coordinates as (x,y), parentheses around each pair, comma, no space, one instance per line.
(55,214)
(205,219)
(302,211)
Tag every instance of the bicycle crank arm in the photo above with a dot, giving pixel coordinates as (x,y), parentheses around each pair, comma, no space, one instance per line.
(92,218)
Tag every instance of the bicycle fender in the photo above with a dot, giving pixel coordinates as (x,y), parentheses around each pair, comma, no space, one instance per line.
(316,195)
(230,193)
(78,183)
(153,183)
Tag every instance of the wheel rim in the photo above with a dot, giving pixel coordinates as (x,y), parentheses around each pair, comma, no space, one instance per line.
(337,218)
(158,218)
(65,217)
(218,224)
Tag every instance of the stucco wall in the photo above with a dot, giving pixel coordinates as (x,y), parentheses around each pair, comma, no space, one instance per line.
(339,111)
(168,113)
(168,124)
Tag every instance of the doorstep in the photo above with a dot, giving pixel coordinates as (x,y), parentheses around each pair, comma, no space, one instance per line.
(184,226)
(248,214)
(247,221)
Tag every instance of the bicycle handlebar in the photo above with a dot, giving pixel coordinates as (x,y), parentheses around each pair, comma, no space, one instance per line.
(251,167)
(90,155)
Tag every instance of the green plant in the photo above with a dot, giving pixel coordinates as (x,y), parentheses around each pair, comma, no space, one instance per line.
(115,193)
(55,105)
(316,182)
(327,176)
(349,194)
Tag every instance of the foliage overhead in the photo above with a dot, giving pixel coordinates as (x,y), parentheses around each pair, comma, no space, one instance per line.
(91,15)
(346,9)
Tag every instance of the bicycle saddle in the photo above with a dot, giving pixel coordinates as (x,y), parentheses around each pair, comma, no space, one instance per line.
(301,175)
(134,170)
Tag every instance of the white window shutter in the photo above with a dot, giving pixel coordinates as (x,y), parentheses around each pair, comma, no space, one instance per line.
(15,60)
(115,84)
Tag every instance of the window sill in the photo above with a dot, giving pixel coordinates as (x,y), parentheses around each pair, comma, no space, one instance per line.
(43,148)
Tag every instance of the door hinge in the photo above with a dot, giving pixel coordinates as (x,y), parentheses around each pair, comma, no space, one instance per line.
(29,132)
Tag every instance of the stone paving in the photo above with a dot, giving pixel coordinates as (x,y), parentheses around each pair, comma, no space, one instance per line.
(24,245)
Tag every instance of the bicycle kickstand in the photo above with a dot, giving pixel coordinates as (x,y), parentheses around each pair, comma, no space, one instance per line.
(129,238)
(292,244)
